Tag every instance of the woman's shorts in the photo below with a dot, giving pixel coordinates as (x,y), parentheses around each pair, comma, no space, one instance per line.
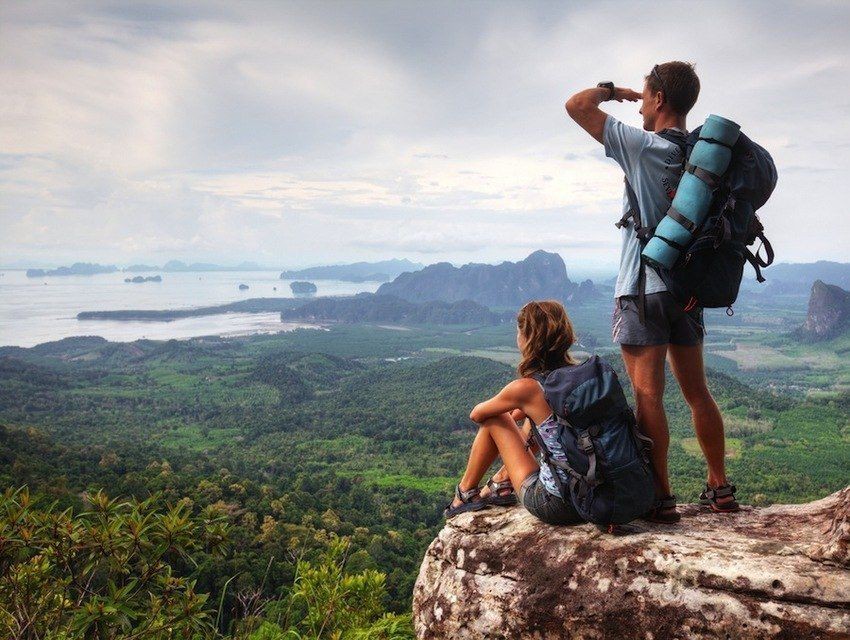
(551,509)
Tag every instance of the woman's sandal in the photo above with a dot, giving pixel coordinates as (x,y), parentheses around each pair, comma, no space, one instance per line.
(663,511)
(501,494)
(710,495)
(470,501)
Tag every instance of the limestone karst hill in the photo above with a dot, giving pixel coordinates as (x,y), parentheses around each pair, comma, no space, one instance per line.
(507,285)
(829,312)
(774,572)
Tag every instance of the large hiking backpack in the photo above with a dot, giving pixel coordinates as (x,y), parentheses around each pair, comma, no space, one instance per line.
(709,269)
(610,476)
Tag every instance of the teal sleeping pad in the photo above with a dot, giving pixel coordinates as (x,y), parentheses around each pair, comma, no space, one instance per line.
(693,196)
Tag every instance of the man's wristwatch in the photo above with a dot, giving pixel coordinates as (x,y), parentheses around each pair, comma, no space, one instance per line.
(610,87)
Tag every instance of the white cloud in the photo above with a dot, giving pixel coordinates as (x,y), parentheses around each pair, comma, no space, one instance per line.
(300,133)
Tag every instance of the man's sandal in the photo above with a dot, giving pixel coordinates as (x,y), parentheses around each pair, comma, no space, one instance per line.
(663,511)
(501,494)
(469,501)
(710,496)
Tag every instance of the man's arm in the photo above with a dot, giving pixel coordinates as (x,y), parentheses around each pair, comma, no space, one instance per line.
(583,107)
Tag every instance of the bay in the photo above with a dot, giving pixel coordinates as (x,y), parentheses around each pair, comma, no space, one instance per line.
(36,310)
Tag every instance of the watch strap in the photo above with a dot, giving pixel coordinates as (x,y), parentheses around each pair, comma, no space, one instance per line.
(610,86)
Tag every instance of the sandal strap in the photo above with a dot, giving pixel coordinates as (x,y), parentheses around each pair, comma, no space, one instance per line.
(723,491)
(467,496)
(496,487)
(667,502)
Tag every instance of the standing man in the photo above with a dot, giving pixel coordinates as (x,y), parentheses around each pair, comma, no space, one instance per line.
(655,326)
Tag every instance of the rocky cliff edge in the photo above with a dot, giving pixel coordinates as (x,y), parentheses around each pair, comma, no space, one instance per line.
(775,572)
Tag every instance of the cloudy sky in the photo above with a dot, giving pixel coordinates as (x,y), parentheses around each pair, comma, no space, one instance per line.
(296,133)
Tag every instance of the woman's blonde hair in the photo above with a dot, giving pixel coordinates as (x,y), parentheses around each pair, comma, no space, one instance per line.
(548,335)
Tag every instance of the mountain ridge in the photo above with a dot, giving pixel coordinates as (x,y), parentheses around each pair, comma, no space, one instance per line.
(381,271)
(541,275)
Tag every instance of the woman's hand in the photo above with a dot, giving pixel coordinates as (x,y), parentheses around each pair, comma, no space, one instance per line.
(517,415)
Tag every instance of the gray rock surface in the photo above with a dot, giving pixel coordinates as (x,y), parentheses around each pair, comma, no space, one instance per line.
(774,572)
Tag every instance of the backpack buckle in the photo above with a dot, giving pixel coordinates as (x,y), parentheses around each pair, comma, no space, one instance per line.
(585,443)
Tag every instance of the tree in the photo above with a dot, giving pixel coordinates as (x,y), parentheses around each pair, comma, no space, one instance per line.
(122,569)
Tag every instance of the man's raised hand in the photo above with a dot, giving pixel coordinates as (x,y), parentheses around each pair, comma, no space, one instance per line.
(630,95)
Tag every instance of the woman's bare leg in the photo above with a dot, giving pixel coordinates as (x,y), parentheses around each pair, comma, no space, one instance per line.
(498,436)
(482,454)
(502,474)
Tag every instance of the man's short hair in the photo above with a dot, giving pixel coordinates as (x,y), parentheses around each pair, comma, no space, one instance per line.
(679,83)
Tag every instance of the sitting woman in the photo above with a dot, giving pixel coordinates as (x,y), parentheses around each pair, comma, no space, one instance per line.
(544,337)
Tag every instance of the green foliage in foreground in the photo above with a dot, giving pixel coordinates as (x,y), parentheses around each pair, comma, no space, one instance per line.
(117,570)
(326,602)
(126,569)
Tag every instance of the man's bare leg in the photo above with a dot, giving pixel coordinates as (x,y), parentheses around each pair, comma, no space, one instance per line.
(645,366)
(687,365)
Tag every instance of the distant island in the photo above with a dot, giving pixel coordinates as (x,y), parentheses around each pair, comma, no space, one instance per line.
(140,279)
(136,268)
(361,308)
(243,287)
(382,271)
(76,269)
(372,308)
(252,305)
(176,266)
(302,288)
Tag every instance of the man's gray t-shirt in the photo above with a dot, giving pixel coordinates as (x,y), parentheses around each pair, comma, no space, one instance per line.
(652,166)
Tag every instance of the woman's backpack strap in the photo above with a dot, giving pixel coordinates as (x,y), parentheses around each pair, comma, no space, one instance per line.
(554,465)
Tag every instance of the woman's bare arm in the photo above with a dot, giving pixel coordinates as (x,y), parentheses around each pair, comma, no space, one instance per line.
(518,395)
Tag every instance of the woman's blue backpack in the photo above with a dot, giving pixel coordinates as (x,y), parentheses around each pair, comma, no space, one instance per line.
(610,475)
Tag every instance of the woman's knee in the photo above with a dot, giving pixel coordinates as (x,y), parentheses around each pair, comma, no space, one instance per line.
(498,421)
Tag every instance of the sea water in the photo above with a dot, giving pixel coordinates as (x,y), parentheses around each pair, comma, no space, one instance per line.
(36,310)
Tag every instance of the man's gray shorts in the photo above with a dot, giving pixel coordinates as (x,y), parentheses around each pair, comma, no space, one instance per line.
(667,322)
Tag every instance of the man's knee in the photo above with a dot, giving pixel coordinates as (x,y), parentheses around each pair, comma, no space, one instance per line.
(699,398)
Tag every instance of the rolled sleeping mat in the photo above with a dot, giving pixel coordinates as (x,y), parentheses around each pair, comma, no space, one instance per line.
(709,157)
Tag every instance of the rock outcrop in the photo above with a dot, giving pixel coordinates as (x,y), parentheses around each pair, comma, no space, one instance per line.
(774,572)
(829,312)
(509,284)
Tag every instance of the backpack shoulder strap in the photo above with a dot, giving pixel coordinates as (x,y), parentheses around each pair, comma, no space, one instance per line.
(679,138)
(633,216)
